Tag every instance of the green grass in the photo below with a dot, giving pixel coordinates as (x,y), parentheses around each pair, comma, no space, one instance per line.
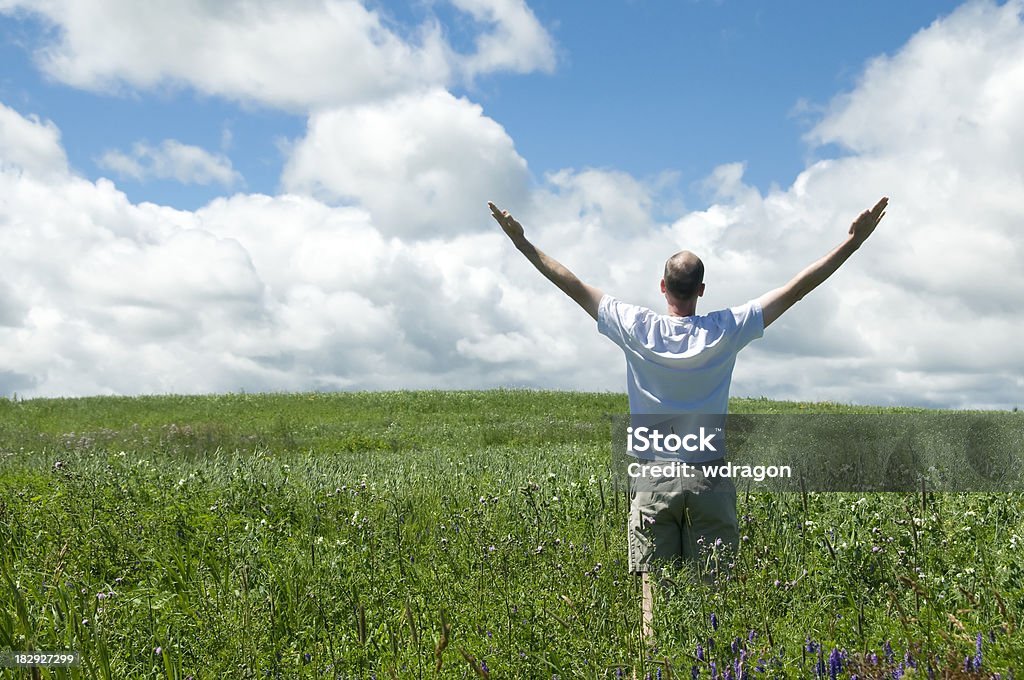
(339,535)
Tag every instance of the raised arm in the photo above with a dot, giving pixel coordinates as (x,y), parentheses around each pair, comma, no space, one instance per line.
(775,302)
(585,296)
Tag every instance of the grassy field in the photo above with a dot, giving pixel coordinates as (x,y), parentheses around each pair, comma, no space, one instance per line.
(457,535)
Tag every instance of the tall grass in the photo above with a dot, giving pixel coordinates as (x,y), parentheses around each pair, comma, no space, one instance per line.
(443,534)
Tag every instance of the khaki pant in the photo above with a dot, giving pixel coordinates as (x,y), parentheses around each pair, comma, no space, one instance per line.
(673,521)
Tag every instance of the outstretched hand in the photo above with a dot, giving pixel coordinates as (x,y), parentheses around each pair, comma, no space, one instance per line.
(868,220)
(507,222)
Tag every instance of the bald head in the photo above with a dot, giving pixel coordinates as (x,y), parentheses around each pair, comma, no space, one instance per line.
(684,272)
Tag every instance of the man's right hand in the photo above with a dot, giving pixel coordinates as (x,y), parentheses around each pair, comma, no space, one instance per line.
(512,229)
(867,221)
(775,302)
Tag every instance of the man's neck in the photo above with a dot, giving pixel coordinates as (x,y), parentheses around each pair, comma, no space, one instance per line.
(686,309)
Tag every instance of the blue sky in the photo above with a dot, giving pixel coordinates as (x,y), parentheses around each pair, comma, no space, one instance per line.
(642,87)
(264,196)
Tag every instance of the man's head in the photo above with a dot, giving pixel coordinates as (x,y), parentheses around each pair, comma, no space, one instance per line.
(684,278)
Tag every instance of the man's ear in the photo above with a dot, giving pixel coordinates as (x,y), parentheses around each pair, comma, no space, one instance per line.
(664,288)
(700,291)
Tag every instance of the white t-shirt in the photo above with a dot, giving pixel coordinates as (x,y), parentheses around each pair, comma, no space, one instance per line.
(679,365)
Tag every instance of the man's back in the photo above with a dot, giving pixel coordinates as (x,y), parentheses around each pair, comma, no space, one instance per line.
(677,364)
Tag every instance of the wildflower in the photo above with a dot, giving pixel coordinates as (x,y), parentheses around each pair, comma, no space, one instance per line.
(751,635)
(835,664)
(735,646)
(307,657)
(714,621)
(977,653)
(694,673)
(700,652)
(888,651)
(158,650)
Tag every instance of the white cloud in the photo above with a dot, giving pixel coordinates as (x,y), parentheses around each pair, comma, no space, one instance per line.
(519,43)
(422,164)
(30,144)
(332,286)
(296,55)
(171,160)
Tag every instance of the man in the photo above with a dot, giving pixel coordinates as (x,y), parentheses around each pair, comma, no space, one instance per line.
(681,363)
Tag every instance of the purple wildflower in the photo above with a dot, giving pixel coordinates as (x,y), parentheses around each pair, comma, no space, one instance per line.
(735,646)
(714,621)
(835,664)
(888,651)
(694,673)
(751,635)
(714,671)
(700,652)
(977,653)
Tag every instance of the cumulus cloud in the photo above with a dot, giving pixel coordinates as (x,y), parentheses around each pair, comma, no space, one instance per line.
(422,164)
(296,55)
(329,286)
(184,163)
(30,144)
(518,42)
